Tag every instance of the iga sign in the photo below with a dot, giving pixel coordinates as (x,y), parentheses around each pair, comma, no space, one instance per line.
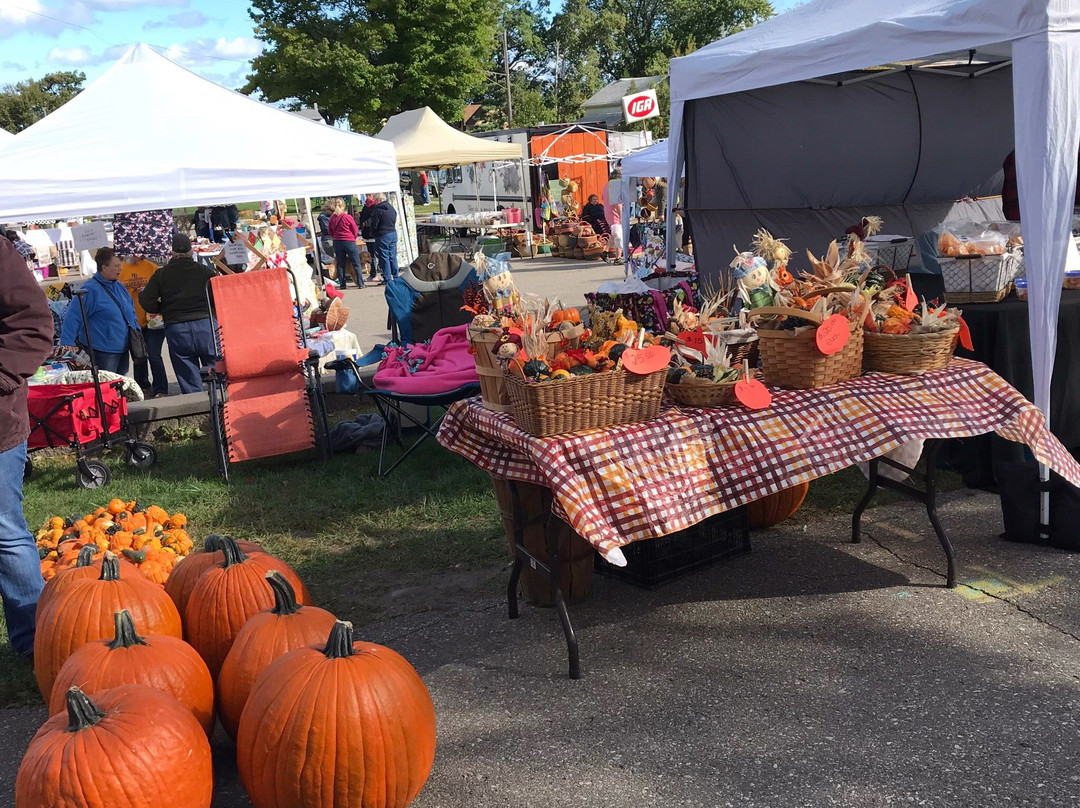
(639,106)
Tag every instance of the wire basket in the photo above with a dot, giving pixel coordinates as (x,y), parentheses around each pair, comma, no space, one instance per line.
(585,402)
(908,353)
(980,278)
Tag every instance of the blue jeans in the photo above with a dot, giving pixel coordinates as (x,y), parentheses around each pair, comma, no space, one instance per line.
(20,569)
(112,362)
(425,198)
(155,340)
(191,346)
(347,250)
(386,253)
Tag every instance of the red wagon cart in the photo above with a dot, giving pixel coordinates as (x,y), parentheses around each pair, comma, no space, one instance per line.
(88,418)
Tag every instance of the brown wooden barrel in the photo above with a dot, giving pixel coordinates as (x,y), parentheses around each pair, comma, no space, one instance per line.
(576,555)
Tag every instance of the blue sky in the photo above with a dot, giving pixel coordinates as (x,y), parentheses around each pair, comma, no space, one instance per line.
(212,37)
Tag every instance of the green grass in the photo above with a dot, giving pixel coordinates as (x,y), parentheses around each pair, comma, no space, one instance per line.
(352,537)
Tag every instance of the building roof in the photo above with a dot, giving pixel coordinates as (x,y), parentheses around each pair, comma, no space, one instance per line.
(612,94)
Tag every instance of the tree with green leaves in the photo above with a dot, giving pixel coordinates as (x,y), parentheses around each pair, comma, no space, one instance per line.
(365,60)
(26,103)
(525,62)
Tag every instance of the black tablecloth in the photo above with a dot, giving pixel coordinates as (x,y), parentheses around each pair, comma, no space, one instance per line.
(999,332)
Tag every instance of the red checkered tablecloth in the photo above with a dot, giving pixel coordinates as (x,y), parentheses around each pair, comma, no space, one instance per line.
(639,481)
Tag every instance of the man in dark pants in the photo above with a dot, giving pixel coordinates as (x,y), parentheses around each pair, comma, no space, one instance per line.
(26,331)
(177,292)
(383,220)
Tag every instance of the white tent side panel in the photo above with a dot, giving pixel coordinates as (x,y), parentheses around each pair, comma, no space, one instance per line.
(192,142)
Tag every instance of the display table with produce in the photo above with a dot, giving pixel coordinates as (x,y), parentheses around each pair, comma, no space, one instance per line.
(639,481)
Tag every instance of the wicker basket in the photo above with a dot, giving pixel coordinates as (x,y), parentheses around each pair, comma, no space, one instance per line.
(702,394)
(791,359)
(908,353)
(493,393)
(585,402)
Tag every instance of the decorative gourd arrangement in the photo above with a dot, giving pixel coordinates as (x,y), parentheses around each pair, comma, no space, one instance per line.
(109,751)
(265,637)
(156,660)
(362,701)
(226,596)
(149,537)
(83,613)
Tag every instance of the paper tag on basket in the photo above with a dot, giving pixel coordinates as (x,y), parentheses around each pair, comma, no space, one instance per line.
(643,361)
(910,299)
(965,336)
(694,340)
(750,392)
(833,334)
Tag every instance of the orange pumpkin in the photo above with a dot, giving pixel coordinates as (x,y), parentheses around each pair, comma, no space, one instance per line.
(85,568)
(83,613)
(775,508)
(162,662)
(363,701)
(184,575)
(567,316)
(112,751)
(265,637)
(226,596)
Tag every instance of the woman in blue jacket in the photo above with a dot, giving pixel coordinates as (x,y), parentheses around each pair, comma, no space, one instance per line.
(109,312)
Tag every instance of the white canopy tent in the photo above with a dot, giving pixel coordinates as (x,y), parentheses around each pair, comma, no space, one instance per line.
(1041,39)
(5,137)
(194,143)
(424,140)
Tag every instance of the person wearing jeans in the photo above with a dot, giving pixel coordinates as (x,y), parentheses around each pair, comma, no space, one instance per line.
(135,275)
(383,219)
(177,292)
(109,316)
(344,231)
(26,330)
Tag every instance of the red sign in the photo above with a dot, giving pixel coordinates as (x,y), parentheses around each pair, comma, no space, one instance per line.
(833,334)
(639,106)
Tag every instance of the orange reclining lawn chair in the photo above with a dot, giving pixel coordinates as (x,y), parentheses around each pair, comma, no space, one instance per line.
(266,398)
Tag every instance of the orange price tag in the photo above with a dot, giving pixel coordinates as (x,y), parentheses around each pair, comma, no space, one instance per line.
(965,336)
(694,340)
(910,300)
(643,361)
(833,334)
(752,394)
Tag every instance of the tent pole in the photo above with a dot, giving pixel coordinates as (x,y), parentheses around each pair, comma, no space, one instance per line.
(314,240)
(526,215)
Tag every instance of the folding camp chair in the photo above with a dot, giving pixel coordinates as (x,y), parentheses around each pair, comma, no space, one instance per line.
(428,295)
(408,420)
(266,398)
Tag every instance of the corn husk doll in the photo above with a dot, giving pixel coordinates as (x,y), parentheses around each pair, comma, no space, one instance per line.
(499,288)
(751,275)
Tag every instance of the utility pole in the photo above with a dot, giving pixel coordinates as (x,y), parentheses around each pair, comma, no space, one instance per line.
(557,118)
(509,98)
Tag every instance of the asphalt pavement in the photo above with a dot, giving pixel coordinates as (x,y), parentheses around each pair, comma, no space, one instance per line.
(810,672)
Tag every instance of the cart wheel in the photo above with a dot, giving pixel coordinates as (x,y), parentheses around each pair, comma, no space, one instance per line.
(141,455)
(28,469)
(92,474)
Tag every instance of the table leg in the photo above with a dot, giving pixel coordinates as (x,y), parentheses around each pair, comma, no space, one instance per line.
(927,496)
(548,570)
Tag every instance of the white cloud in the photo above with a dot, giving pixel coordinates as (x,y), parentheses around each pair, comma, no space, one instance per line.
(182,19)
(21,14)
(71,57)
(196,52)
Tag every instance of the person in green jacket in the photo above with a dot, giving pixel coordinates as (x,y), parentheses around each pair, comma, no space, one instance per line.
(177,292)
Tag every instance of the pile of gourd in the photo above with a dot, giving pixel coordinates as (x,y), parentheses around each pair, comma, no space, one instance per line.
(149,537)
(135,672)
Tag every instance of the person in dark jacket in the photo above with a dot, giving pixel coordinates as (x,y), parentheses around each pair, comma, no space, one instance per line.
(593,213)
(26,331)
(363,221)
(177,292)
(383,220)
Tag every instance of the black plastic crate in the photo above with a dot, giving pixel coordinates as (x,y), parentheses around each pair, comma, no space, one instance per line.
(650,562)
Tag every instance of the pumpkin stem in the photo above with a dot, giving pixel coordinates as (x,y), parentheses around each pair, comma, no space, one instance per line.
(86,555)
(212,543)
(233,553)
(125,634)
(110,567)
(340,643)
(284,595)
(82,713)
